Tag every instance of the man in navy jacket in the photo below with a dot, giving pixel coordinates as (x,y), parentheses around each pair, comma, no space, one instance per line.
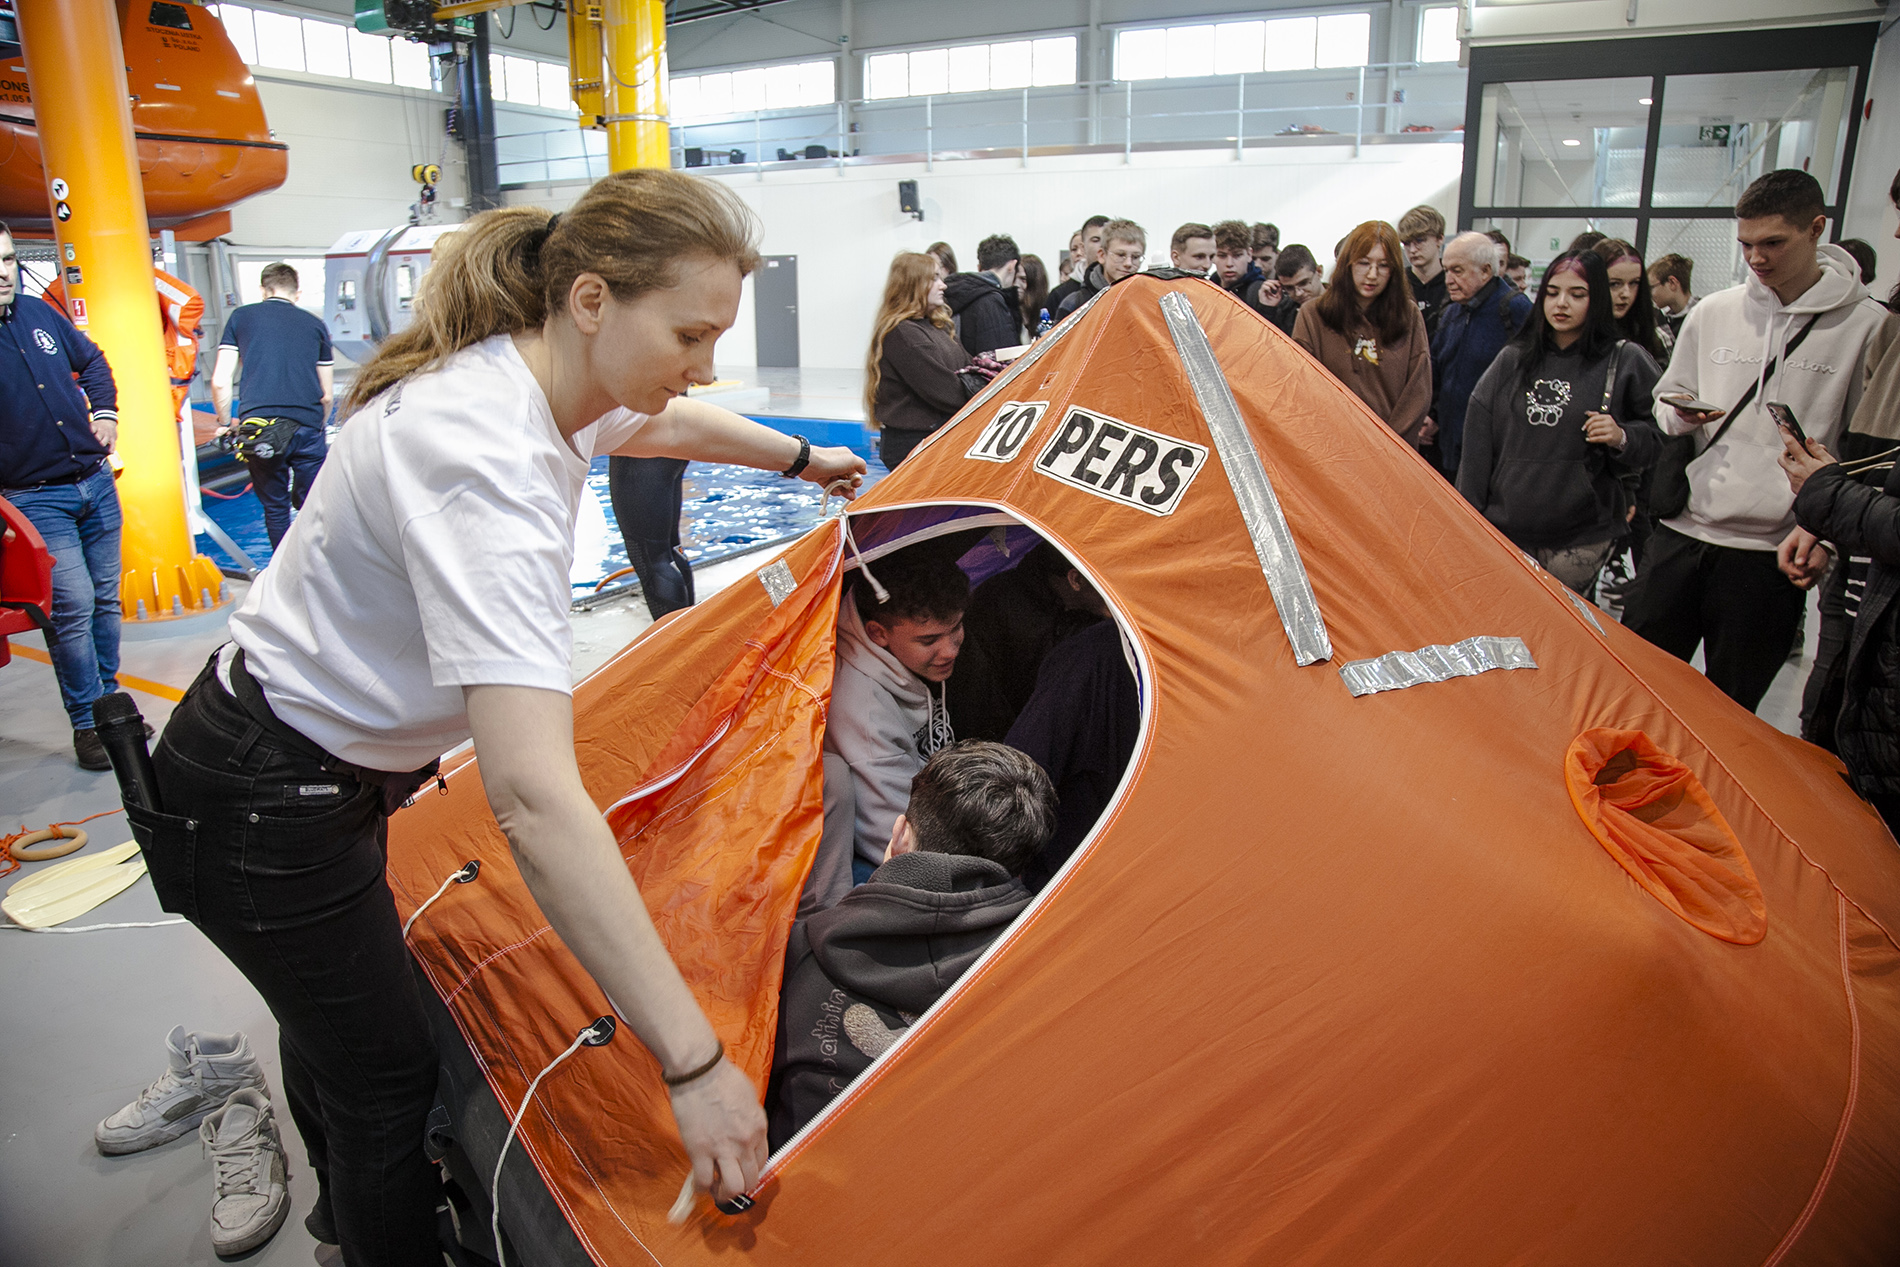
(1481,315)
(55,434)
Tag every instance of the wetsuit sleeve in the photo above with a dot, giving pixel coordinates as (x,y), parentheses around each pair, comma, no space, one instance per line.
(1485,414)
(95,373)
(928,366)
(1856,517)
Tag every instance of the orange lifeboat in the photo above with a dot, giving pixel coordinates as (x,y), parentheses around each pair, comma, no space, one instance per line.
(203,143)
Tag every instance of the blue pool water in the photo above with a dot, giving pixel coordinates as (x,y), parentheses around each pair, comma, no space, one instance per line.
(727,509)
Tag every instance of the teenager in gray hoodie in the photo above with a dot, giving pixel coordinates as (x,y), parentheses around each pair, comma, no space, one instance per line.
(859,974)
(1729,571)
(887,714)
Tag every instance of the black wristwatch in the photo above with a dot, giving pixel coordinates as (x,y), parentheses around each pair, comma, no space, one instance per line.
(797,468)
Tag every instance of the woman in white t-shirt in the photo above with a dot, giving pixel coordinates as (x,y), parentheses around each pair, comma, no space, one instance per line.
(421,599)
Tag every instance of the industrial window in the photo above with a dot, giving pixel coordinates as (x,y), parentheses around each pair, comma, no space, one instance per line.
(1008,64)
(287,42)
(781,87)
(1438,34)
(526,82)
(1322,42)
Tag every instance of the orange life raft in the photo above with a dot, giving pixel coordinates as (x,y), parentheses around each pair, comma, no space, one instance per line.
(1438,918)
(203,143)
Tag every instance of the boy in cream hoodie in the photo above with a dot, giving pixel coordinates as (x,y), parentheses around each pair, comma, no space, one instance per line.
(887,713)
(1730,572)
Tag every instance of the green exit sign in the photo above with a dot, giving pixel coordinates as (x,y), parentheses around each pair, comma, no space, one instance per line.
(1716,133)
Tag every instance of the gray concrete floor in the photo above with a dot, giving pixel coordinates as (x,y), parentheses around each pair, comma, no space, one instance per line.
(86,1014)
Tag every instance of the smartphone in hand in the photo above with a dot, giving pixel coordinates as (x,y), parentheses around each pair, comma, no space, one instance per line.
(1690,405)
(1785,419)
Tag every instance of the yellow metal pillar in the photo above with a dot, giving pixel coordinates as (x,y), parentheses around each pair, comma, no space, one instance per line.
(75,68)
(634,87)
(585,59)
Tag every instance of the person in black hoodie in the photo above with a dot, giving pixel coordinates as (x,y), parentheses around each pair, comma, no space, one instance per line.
(860,973)
(1560,416)
(1014,620)
(984,302)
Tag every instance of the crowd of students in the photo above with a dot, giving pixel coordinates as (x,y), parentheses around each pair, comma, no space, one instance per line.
(976,737)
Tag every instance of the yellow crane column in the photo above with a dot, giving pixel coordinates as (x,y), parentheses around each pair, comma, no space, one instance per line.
(634,84)
(75,67)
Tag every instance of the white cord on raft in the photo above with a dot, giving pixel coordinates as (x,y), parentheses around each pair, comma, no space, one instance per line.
(594,1034)
(462,875)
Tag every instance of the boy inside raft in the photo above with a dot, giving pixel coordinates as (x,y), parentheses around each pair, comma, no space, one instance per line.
(888,715)
(858,974)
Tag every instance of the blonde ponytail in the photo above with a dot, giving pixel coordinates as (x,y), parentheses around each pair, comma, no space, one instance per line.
(506,270)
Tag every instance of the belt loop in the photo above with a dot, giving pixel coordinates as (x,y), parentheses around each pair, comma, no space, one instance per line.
(251,735)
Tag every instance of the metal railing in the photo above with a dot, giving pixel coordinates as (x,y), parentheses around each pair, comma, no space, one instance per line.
(1071,116)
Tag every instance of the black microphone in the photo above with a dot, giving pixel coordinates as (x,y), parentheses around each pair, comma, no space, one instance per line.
(122,731)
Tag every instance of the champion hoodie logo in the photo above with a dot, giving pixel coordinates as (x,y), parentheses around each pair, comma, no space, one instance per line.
(1735,356)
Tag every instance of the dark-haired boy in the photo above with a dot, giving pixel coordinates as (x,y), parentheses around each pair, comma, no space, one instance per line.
(984,302)
(1728,572)
(1296,275)
(888,712)
(859,974)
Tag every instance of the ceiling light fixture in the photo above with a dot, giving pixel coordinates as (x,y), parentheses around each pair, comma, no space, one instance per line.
(1645,101)
(1572,141)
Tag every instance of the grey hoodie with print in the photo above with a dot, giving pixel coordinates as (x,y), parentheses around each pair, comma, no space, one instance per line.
(885,722)
(1738,495)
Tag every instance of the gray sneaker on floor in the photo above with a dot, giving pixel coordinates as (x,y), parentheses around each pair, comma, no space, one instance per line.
(203,1071)
(248,1160)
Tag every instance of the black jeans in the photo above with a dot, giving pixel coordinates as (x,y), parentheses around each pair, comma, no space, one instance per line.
(1736,604)
(282,483)
(280,863)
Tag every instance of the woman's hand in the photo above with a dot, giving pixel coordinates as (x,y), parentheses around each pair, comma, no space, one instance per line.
(831,464)
(1600,428)
(1800,463)
(723,1129)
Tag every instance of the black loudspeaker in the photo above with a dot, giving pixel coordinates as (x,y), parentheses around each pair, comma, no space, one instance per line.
(907,200)
(695,157)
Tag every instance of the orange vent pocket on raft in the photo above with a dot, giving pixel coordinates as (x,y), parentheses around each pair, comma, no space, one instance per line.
(1657,820)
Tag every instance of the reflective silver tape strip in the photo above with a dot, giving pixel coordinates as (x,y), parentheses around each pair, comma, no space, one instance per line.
(778,581)
(1399,669)
(1259,508)
(1584,608)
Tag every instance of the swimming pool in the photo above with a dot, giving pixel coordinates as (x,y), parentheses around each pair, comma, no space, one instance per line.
(727,509)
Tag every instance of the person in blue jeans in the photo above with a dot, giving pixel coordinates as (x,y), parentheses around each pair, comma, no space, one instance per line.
(289,374)
(55,434)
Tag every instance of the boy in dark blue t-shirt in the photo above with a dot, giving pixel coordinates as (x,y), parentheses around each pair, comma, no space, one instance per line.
(288,375)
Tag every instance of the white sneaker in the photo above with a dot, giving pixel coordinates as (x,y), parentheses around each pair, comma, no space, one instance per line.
(248,1157)
(202,1073)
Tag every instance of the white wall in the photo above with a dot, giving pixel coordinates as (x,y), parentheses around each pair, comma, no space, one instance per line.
(844,229)
(351,148)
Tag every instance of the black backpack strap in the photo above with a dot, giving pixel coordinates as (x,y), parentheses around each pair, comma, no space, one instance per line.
(1767,371)
(1609,375)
